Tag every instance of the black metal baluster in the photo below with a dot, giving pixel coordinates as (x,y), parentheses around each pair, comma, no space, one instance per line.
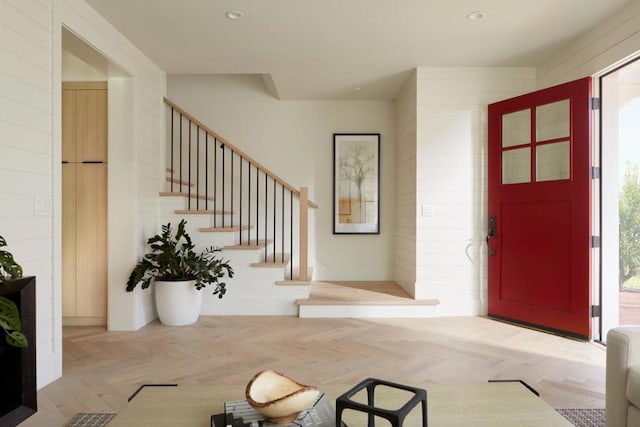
(257,204)
(223,176)
(249,203)
(291,234)
(198,168)
(206,171)
(274,220)
(215,180)
(240,207)
(266,209)
(180,171)
(189,181)
(282,225)
(172,138)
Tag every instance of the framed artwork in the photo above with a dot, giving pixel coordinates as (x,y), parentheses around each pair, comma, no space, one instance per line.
(356,183)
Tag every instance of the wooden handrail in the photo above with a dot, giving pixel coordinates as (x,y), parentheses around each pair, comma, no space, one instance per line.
(237,150)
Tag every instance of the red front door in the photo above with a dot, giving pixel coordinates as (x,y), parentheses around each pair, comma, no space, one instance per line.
(539,237)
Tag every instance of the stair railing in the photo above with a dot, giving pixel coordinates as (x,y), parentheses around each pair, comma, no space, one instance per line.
(242,195)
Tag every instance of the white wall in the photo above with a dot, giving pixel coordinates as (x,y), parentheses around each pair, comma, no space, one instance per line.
(612,41)
(405,194)
(294,139)
(30,135)
(451,185)
(26,154)
(74,69)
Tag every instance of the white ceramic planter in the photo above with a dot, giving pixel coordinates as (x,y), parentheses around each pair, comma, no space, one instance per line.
(178,303)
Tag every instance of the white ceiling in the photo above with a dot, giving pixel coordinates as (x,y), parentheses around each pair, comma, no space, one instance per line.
(323,49)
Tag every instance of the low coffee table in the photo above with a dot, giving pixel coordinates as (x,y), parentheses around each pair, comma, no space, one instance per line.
(500,404)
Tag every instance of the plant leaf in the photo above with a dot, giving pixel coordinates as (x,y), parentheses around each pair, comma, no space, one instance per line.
(9,314)
(16,339)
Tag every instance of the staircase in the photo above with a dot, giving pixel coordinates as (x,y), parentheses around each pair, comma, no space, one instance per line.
(255,289)
(231,201)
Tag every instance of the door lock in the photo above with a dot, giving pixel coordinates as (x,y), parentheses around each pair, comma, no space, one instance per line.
(491,234)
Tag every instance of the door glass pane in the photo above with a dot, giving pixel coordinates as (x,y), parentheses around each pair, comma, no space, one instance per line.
(552,120)
(516,128)
(516,166)
(553,161)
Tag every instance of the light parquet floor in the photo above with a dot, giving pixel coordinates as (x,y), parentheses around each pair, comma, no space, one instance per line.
(102,369)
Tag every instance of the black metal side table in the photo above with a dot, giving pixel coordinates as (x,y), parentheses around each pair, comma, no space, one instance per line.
(395,417)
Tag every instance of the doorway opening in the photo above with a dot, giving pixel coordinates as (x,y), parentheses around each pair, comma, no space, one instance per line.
(81,62)
(620,201)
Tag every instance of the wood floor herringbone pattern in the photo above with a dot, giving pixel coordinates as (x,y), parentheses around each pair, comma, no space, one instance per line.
(101,369)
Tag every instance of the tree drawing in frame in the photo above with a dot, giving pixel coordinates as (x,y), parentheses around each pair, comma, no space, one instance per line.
(356,174)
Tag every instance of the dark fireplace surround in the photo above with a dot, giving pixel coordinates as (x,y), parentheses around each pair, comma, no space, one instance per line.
(18,365)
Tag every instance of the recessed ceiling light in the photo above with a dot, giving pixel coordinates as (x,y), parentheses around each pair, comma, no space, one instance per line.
(234,15)
(357,88)
(475,15)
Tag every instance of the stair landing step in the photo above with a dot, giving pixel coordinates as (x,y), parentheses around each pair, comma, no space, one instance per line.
(183,194)
(361,293)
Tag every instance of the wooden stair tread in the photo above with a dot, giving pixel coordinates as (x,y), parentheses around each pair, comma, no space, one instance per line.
(223,229)
(201,212)
(181,183)
(269,264)
(242,246)
(294,282)
(183,194)
(360,293)
(272,261)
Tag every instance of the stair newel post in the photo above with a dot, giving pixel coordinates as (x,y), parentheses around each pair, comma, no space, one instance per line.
(304,226)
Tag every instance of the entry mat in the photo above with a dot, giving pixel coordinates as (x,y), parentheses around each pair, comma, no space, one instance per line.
(90,420)
(578,417)
(584,417)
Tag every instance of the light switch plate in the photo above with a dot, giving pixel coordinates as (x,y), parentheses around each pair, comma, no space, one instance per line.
(428,210)
(42,206)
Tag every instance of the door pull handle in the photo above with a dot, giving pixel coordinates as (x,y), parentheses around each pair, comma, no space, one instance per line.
(491,234)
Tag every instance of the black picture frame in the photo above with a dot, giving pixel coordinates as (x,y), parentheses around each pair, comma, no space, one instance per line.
(18,394)
(356,183)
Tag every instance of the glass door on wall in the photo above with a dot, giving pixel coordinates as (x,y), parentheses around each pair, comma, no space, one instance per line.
(620,157)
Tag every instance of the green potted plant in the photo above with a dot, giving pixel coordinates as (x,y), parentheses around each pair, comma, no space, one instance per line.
(9,314)
(179,273)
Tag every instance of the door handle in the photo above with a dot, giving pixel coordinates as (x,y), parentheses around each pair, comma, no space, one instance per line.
(491,234)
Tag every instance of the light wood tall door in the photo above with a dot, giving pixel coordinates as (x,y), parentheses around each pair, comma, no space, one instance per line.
(84,203)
